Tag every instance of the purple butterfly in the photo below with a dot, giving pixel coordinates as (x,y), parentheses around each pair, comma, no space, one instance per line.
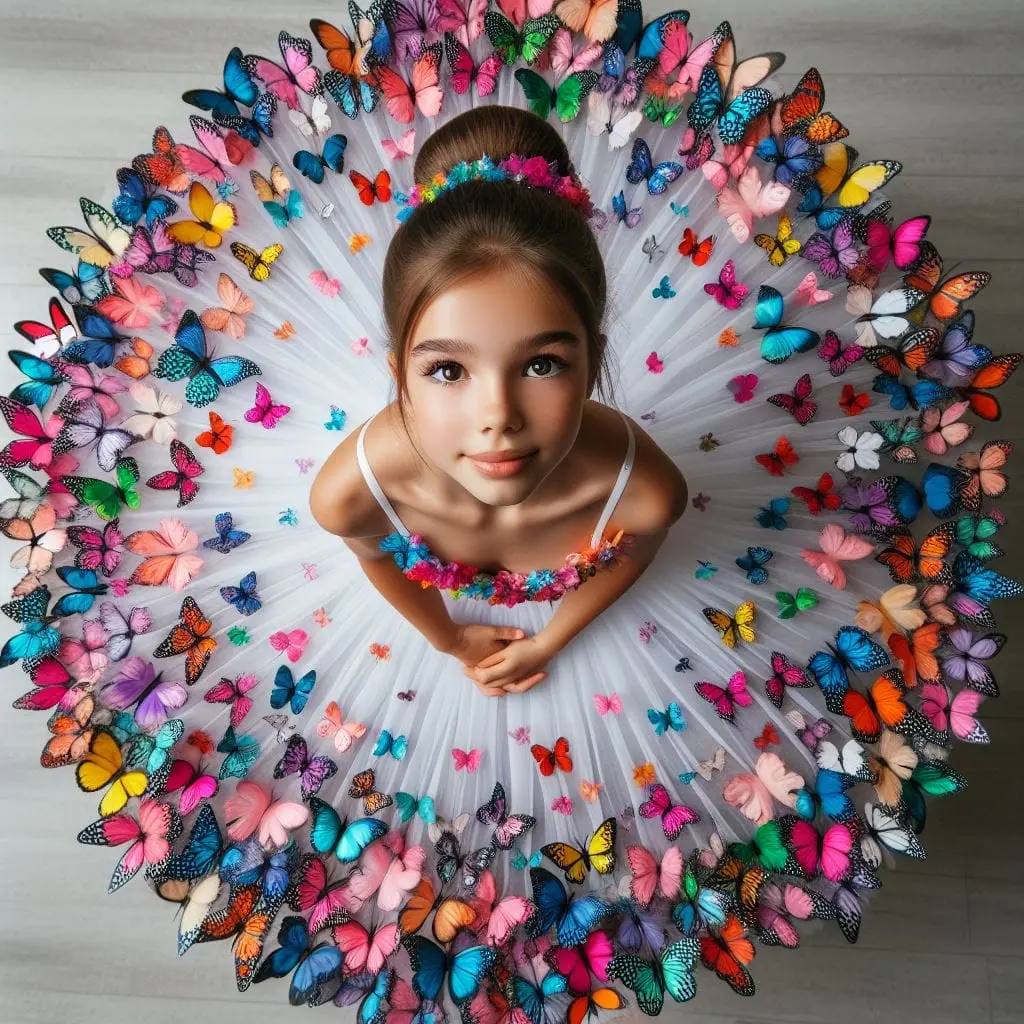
(121,631)
(871,507)
(140,684)
(98,549)
(798,404)
(785,674)
(812,733)
(727,291)
(956,360)
(84,426)
(313,771)
(639,925)
(507,827)
(793,158)
(835,255)
(965,663)
(839,359)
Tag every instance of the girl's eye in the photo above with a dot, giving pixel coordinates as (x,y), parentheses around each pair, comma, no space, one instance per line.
(447,365)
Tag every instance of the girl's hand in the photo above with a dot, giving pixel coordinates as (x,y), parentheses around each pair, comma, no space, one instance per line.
(477,642)
(514,669)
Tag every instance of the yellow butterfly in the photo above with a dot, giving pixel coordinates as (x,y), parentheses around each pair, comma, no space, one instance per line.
(103,765)
(104,242)
(213,219)
(244,478)
(734,627)
(258,263)
(599,854)
(782,244)
(856,185)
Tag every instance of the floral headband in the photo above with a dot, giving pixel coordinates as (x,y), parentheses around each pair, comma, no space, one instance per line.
(532,171)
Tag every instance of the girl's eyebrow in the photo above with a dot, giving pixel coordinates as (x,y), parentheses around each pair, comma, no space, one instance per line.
(457,346)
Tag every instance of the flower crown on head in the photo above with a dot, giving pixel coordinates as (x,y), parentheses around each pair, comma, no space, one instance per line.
(532,171)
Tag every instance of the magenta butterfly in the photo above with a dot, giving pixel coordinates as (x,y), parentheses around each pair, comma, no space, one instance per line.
(839,359)
(829,853)
(182,477)
(465,72)
(189,781)
(298,72)
(902,245)
(674,817)
(784,673)
(798,404)
(727,291)
(98,549)
(726,700)
(265,411)
(312,889)
(233,692)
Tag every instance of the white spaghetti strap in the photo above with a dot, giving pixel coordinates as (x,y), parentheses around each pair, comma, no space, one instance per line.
(620,485)
(371,482)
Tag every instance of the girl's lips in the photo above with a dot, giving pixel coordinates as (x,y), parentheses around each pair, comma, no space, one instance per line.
(501,470)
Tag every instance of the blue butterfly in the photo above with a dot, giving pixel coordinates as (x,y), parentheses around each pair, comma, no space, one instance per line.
(38,638)
(374,989)
(288,517)
(772,515)
(683,665)
(202,851)
(853,650)
(86,283)
(664,290)
(337,420)
(793,158)
(975,587)
(780,341)
(941,488)
(705,570)
(43,379)
(734,116)
(465,970)
(641,167)
(329,833)
(687,777)
(332,156)
(830,795)
(188,357)
(244,598)
(408,805)
(288,690)
(97,340)
(138,199)
(313,966)
(905,498)
(573,918)
(921,395)
(86,588)
(753,564)
(706,909)
(228,538)
(521,863)
(629,217)
(679,211)
(242,753)
(351,92)
(544,1002)
(671,718)
(239,89)
(396,746)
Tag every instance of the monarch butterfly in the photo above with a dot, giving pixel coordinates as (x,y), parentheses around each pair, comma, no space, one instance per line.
(995,372)
(943,298)
(599,854)
(257,263)
(735,627)
(906,561)
(726,952)
(802,114)
(916,653)
(191,638)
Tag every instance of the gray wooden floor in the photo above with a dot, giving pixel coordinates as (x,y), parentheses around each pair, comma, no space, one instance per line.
(935,83)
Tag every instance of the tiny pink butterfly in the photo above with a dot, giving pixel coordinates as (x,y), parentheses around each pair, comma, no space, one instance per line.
(405,146)
(468,760)
(361,347)
(562,805)
(727,291)
(654,364)
(292,644)
(742,387)
(321,618)
(305,465)
(808,291)
(610,703)
(265,411)
(647,631)
(521,734)
(323,282)
(310,571)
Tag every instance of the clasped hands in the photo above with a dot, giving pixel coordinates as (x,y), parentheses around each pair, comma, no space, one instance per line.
(501,659)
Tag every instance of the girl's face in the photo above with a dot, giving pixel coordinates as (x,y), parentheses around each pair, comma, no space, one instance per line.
(497,363)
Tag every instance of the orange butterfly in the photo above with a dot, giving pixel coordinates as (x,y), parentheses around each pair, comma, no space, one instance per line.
(168,555)
(380,651)
(699,252)
(402,98)
(776,461)
(135,362)
(549,760)
(191,638)
(852,403)
(801,112)
(907,562)
(916,653)
(213,219)
(451,915)
(586,1006)
(242,918)
(285,331)
(882,705)
(998,370)
(72,734)
(218,437)
(164,167)
(229,318)
(379,188)
(943,298)
(727,952)
(983,472)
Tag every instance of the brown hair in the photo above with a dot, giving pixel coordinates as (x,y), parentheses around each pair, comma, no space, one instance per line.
(482,226)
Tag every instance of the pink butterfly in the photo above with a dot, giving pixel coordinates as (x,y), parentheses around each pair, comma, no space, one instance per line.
(726,700)
(298,72)
(807,290)
(233,692)
(837,546)
(367,951)
(829,853)
(173,308)
(696,149)
(310,571)
(562,805)
(293,643)
(99,549)
(168,559)
(468,760)
(798,404)
(839,359)
(48,339)
(742,387)
(785,673)
(933,602)
(392,878)
(650,877)
(87,383)
(578,963)
(734,161)
(189,781)
(321,618)
(776,904)
(956,714)
(182,477)
(713,852)
(323,282)
(404,147)
(43,538)
(151,836)
(521,734)
(943,429)
(901,244)
(605,704)
(86,658)
(133,305)
(560,56)
(463,18)
(305,465)
(753,793)
(727,291)
(465,72)
(251,810)
(496,919)
(265,411)
(332,724)
(313,890)
(361,347)
(674,817)
(741,204)
(35,445)
(222,154)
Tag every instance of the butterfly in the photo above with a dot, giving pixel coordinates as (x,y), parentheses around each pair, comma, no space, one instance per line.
(333,725)
(674,817)
(566,99)
(726,700)
(233,692)
(218,437)
(853,649)
(298,73)
(671,971)
(664,290)
(777,460)
(228,538)
(742,387)
(837,546)
(512,43)
(789,604)
(835,252)
(550,760)
(293,692)
(396,746)
(726,952)
(431,965)
(258,264)
(780,341)
(188,357)
(801,112)
(641,167)
(734,627)
(753,564)
(329,833)
(349,60)
(773,515)
(983,475)
(424,93)
(244,596)
(829,854)
(698,251)
(727,291)
(212,221)
(606,703)
(138,684)
(798,404)
(907,561)
(749,199)
(330,156)
(313,772)
(191,638)
(782,244)
(965,661)
(605,116)
(943,298)
(102,243)
(370,190)
(279,199)
(182,477)
(468,760)
(629,217)
(807,291)
(853,403)
(103,765)
(406,144)
(313,966)
(265,411)
(599,854)
(820,497)
(239,90)
(850,189)
(671,718)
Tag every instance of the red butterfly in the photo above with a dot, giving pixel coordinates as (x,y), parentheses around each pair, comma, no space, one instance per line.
(549,760)
(767,738)
(181,478)
(852,403)
(726,952)
(379,188)
(798,404)
(776,461)
(998,370)
(822,497)
(699,252)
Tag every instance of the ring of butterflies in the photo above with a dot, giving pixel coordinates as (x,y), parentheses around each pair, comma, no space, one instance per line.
(557,953)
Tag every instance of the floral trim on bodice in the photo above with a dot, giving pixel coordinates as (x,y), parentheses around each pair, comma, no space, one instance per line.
(460,579)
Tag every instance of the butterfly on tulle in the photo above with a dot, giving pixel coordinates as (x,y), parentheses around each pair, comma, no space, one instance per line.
(239,91)
(507,827)
(791,604)
(784,673)
(565,99)
(798,403)
(349,59)
(182,477)
(329,833)
(264,410)
(423,93)
(641,167)
(628,216)
(258,263)
(191,638)
(670,971)
(371,190)
(780,340)
(773,515)
(753,564)
(43,378)
(548,761)
(725,700)
(465,72)
(943,297)
(291,691)
(228,537)
(674,817)
(598,853)
(464,970)
(671,718)
(781,456)
(297,74)
(243,597)
(331,156)
(727,291)
(835,253)
(389,744)
(364,787)
(846,188)
(736,627)
(314,969)
(528,42)
(782,244)
(137,685)
(851,650)
(957,358)
(102,242)
(279,199)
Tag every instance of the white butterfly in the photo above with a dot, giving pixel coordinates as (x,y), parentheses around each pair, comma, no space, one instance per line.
(861,449)
(600,119)
(885,830)
(153,414)
(705,769)
(850,760)
(316,122)
(883,318)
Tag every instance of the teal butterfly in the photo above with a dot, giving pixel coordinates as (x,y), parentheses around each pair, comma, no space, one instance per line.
(242,753)
(773,515)
(671,718)
(780,341)
(671,972)
(337,420)
(679,211)
(789,604)
(408,805)
(705,570)
(153,753)
(396,746)
(566,99)
(975,533)
(664,290)
(330,833)
(521,863)
(38,638)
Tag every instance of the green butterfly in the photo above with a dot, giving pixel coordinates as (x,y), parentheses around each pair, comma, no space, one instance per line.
(242,753)
(672,972)
(790,604)
(566,99)
(656,109)
(153,753)
(974,532)
(511,44)
(108,498)
(766,848)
